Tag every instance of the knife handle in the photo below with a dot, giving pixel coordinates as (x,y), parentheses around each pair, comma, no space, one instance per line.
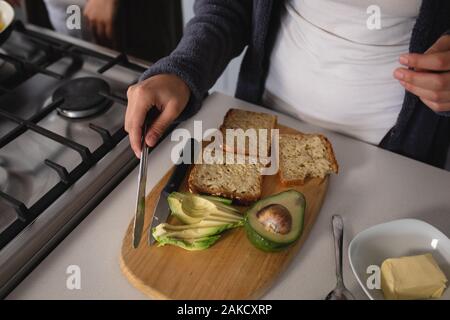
(181,169)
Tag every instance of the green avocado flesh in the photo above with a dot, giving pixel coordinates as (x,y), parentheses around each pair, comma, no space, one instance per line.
(189,232)
(191,237)
(276,222)
(219,199)
(191,209)
(204,219)
(207,223)
(191,244)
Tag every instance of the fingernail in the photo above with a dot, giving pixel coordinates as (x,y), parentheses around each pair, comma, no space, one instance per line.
(404,60)
(137,153)
(403,83)
(149,141)
(153,139)
(399,74)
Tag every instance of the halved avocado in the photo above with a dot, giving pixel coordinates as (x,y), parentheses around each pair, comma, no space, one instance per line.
(276,222)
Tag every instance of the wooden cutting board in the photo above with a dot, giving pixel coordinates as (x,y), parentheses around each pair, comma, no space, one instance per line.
(230,269)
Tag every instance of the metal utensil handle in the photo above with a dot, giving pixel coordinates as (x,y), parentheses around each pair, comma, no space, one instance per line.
(150,118)
(338,233)
(144,155)
(140,205)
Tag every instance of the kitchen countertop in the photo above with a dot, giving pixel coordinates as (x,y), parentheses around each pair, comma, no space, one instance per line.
(373,186)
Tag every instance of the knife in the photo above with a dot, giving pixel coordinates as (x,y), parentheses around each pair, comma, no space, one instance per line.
(162,210)
(142,182)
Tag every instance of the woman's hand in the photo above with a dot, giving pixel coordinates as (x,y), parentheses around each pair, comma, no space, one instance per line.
(430,77)
(168,93)
(100,15)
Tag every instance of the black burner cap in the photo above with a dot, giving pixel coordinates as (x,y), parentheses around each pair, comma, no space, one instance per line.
(82,97)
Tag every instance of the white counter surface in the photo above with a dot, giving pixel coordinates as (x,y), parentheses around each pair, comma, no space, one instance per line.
(373,186)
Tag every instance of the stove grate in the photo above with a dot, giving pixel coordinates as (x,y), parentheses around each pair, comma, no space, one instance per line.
(29,65)
(67,179)
(55,49)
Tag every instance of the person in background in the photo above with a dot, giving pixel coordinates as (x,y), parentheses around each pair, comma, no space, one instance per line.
(318,61)
(117,24)
(57,13)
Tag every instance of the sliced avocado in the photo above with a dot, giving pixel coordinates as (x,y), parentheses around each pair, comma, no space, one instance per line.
(207,223)
(190,244)
(195,201)
(210,198)
(189,233)
(188,238)
(224,219)
(191,209)
(204,220)
(219,199)
(177,211)
(276,222)
(196,205)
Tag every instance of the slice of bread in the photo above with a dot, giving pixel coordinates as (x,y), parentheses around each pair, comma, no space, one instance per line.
(305,156)
(245,120)
(240,182)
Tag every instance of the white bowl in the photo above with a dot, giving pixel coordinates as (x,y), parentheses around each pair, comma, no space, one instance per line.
(7,14)
(397,239)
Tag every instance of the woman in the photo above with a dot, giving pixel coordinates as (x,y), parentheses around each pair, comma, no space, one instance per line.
(317,60)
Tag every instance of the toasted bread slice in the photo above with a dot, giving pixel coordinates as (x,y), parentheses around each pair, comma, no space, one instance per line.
(240,182)
(245,120)
(305,156)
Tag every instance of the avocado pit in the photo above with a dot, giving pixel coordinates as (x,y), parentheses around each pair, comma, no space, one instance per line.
(275,218)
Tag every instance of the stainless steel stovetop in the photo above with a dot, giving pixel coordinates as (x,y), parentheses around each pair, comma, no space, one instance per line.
(55,169)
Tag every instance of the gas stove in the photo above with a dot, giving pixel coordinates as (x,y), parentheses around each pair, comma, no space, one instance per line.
(62,143)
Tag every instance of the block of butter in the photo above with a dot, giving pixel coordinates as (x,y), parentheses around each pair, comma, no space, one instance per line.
(411,278)
(2,24)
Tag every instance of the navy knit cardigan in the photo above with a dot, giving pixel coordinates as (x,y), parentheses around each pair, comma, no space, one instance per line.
(222,29)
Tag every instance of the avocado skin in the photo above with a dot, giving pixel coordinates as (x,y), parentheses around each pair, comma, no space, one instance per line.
(261,242)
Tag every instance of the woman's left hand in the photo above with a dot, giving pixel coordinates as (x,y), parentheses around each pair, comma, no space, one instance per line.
(429,78)
(100,15)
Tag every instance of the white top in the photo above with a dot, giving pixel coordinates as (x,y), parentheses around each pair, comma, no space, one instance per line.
(333,66)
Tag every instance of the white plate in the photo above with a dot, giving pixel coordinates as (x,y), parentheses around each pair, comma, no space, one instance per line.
(7,14)
(397,239)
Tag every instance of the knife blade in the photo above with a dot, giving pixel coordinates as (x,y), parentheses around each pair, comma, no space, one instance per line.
(162,210)
(139,216)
